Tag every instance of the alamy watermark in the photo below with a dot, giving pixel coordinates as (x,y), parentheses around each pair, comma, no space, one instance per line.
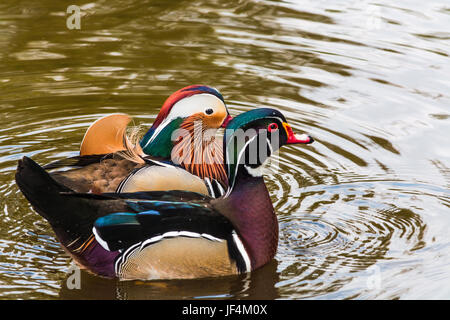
(74,279)
(74,20)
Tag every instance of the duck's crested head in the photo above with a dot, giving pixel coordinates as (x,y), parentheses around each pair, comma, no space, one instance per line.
(194,99)
(253,136)
(270,121)
(196,102)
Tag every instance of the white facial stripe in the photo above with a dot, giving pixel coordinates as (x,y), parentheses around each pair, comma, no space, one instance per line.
(278,118)
(195,104)
(270,147)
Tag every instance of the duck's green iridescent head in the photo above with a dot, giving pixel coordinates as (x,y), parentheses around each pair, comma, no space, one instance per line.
(196,102)
(251,137)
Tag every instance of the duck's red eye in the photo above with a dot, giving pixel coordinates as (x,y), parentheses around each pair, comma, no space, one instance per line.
(272,127)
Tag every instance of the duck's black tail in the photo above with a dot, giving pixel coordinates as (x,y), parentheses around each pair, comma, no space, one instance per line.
(70,217)
(40,189)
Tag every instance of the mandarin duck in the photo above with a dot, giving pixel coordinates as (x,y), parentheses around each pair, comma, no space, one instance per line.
(173,234)
(182,134)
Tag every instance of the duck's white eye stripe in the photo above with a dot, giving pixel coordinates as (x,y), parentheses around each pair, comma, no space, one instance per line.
(194,104)
(187,107)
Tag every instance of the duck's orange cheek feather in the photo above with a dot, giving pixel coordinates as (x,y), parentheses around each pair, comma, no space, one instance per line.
(215,121)
(200,120)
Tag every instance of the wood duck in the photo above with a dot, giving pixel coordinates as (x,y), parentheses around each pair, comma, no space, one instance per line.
(173,234)
(109,162)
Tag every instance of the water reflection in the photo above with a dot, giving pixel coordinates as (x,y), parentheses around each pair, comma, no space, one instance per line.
(257,285)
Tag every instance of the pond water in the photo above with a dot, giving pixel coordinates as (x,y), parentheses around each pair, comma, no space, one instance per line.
(363,212)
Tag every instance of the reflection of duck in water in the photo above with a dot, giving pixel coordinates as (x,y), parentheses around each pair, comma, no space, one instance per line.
(173,234)
(258,285)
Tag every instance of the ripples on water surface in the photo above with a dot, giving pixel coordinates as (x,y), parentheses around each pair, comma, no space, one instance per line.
(363,212)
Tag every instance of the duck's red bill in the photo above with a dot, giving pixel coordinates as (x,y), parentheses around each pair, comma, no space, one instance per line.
(226,121)
(296,138)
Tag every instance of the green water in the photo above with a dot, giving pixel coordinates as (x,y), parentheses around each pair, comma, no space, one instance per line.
(363,212)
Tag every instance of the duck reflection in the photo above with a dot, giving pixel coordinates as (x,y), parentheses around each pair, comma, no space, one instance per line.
(258,285)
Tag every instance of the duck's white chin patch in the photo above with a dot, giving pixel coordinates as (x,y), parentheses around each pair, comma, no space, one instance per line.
(266,168)
(255,172)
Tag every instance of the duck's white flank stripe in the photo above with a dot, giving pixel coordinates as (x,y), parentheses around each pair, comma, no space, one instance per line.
(222,191)
(123,257)
(151,240)
(210,237)
(140,246)
(124,181)
(99,239)
(162,164)
(179,234)
(169,234)
(240,246)
(210,187)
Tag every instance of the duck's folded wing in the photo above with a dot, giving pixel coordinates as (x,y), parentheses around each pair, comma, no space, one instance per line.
(157,220)
(171,195)
(77,161)
(92,173)
(177,237)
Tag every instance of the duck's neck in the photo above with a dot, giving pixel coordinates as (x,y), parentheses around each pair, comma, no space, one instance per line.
(250,209)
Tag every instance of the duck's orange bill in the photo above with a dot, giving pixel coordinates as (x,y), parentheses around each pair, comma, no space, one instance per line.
(225,122)
(295,138)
